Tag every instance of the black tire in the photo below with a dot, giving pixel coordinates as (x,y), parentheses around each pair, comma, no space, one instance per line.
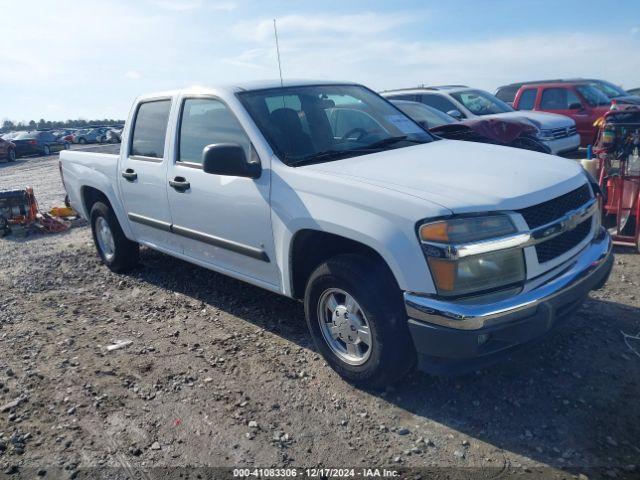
(46,151)
(11,155)
(82,141)
(126,253)
(372,285)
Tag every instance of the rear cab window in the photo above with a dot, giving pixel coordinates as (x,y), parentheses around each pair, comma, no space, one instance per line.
(150,129)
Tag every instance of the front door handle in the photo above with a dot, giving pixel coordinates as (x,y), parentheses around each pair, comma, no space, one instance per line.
(129,174)
(180,184)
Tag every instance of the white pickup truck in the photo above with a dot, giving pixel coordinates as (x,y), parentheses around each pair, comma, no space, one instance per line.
(405,248)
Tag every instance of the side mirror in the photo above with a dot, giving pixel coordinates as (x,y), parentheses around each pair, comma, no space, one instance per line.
(575,106)
(455,113)
(229,159)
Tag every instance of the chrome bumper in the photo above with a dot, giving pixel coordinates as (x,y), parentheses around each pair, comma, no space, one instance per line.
(588,270)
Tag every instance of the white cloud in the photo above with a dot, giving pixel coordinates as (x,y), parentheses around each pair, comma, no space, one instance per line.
(352,25)
(369,48)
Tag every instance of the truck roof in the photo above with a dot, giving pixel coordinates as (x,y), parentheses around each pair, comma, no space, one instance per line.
(243,87)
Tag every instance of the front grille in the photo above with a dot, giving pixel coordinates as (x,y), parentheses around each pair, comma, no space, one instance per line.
(563,243)
(563,132)
(551,210)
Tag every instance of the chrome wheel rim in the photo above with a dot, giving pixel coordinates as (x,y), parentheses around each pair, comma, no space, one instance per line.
(106,244)
(344,326)
(46,150)
(12,155)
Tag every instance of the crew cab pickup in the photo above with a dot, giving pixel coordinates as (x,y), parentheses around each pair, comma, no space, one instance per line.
(405,248)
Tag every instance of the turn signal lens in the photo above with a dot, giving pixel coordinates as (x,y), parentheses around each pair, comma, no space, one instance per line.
(434,232)
(465,230)
(444,273)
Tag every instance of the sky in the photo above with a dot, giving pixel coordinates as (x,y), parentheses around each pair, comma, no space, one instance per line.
(90,58)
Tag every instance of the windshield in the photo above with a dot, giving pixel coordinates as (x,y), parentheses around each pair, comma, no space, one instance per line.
(592,95)
(317,123)
(481,103)
(424,115)
(609,89)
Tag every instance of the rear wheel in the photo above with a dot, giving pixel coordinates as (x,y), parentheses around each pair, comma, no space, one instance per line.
(46,150)
(82,141)
(116,251)
(356,317)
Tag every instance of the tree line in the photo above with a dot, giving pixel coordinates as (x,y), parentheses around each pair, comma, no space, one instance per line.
(42,124)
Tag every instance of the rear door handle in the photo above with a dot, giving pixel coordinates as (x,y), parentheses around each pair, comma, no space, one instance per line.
(180,184)
(129,174)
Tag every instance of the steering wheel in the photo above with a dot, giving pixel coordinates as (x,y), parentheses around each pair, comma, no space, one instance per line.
(362,132)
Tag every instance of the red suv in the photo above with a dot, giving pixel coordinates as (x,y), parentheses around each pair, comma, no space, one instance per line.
(579,100)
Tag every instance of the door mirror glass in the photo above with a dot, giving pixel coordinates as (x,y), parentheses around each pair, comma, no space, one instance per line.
(228,159)
(455,113)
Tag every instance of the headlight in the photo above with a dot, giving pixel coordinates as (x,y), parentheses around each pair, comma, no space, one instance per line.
(456,274)
(545,135)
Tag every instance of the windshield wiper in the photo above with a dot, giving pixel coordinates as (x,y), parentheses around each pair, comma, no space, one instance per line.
(337,154)
(325,155)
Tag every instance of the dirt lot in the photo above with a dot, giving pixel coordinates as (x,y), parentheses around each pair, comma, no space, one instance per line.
(220,373)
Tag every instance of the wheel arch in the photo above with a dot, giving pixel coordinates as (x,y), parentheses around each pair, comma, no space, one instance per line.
(309,248)
(90,195)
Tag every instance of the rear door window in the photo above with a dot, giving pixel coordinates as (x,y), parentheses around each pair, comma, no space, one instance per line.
(439,102)
(527,99)
(150,129)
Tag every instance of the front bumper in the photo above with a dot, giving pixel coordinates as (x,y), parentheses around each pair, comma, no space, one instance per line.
(454,336)
(562,145)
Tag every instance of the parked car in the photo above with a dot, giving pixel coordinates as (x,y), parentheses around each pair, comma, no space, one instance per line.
(579,100)
(38,143)
(90,135)
(114,135)
(10,135)
(507,93)
(65,134)
(511,132)
(557,132)
(7,150)
(634,91)
(403,247)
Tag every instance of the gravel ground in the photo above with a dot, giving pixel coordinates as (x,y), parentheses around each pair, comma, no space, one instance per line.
(220,373)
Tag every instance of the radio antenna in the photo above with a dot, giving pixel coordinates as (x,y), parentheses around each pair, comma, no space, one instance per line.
(275,31)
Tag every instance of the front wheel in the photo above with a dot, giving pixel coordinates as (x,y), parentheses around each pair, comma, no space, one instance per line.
(356,317)
(12,155)
(116,251)
(82,141)
(46,150)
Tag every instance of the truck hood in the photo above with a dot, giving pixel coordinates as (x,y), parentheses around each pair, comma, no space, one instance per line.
(463,176)
(542,120)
